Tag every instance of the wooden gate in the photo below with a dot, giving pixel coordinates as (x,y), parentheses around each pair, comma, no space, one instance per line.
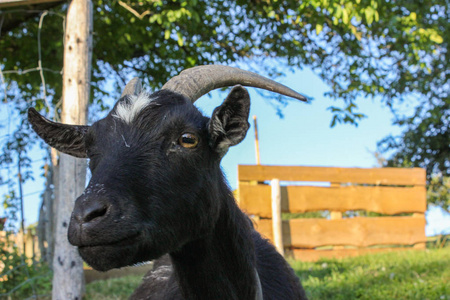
(398,194)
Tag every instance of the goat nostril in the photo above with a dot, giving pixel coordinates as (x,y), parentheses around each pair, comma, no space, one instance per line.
(100,212)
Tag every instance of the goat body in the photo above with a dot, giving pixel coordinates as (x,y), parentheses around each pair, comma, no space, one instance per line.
(157,188)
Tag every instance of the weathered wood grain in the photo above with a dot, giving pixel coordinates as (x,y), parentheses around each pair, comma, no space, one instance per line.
(255,199)
(358,231)
(377,176)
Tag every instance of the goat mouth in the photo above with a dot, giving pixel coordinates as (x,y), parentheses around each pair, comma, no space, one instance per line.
(123,242)
(115,254)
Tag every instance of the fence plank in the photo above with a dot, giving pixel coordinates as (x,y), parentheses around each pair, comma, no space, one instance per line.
(358,232)
(255,199)
(378,176)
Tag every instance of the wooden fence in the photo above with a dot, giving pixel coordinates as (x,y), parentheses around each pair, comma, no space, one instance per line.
(28,239)
(33,253)
(387,191)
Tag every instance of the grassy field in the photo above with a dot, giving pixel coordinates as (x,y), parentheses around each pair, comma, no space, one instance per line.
(112,289)
(398,275)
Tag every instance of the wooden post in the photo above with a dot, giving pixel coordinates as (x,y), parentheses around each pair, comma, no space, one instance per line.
(52,227)
(68,279)
(258,158)
(336,215)
(277,224)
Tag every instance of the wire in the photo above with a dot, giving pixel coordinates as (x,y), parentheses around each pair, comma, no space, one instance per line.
(44,90)
(39,69)
(34,193)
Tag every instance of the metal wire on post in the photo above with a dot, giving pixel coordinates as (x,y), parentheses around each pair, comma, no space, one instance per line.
(39,68)
(41,73)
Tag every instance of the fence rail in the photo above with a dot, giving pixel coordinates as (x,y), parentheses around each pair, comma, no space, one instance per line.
(387,191)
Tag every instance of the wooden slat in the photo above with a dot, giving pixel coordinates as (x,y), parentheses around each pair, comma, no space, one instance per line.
(379,176)
(358,232)
(315,255)
(255,199)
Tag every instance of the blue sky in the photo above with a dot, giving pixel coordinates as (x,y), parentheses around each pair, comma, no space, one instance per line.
(303,137)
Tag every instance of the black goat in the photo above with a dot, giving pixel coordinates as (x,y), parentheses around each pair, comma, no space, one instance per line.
(157,188)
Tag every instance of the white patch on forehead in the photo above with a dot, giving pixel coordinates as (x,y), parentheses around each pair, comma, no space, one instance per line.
(127,110)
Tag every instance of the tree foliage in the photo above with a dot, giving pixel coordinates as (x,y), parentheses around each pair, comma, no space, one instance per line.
(426,144)
(438,192)
(426,141)
(360,48)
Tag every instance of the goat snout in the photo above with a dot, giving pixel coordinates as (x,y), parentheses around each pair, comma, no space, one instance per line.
(89,218)
(90,211)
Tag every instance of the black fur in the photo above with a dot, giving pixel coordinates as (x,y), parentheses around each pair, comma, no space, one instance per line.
(65,138)
(150,196)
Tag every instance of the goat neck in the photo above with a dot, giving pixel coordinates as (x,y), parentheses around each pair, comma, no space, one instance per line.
(222,264)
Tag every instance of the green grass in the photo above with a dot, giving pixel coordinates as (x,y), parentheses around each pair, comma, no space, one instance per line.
(112,289)
(396,275)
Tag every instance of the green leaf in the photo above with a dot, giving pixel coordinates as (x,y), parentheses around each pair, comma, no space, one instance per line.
(191,60)
(337,11)
(156,18)
(334,120)
(196,17)
(434,37)
(166,34)
(344,16)
(319,28)
(180,40)
(369,12)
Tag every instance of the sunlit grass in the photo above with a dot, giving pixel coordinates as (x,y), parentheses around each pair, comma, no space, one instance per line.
(112,289)
(396,275)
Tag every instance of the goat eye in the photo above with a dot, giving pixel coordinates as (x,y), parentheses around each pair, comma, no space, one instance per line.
(188,140)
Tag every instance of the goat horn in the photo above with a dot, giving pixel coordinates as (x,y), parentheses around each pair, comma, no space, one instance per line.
(134,87)
(198,81)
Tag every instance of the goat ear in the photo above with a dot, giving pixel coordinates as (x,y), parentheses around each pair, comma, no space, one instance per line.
(229,122)
(68,139)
